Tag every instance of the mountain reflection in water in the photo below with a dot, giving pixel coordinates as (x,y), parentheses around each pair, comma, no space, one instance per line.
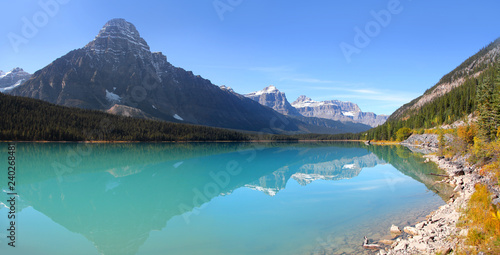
(116,194)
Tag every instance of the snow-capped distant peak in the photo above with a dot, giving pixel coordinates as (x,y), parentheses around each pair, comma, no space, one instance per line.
(178,117)
(16,72)
(268,90)
(112,97)
(304,101)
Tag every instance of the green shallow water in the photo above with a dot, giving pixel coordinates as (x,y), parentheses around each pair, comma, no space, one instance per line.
(212,198)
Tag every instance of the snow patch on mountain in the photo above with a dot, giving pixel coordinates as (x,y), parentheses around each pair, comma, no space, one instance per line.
(308,178)
(350,114)
(6,74)
(112,97)
(269,191)
(268,90)
(178,117)
(308,102)
(349,166)
(19,82)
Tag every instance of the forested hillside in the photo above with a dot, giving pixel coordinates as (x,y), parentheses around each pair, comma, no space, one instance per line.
(479,81)
(28,119)
(472,67)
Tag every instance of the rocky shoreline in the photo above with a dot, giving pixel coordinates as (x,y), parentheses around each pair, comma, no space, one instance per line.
(438,233)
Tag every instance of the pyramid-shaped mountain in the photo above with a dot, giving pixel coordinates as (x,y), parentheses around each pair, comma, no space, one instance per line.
(117,72)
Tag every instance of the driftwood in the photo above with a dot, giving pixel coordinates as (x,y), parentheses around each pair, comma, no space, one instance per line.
(366,245)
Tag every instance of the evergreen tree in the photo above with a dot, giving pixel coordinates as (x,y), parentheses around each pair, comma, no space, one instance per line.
(487,105)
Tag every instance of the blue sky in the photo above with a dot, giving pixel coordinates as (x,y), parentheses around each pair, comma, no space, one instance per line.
(298,46)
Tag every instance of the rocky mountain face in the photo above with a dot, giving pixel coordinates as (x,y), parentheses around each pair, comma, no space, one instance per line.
(117,72)
(275,99)
(331,109)
(12,79)
(472,67)
(371,119)
(337,110)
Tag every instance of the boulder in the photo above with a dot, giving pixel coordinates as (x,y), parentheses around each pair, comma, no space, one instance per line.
(458,172)
(420,225)
(395,230)
(411,230)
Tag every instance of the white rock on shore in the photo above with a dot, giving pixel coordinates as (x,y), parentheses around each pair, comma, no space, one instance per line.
(395,230)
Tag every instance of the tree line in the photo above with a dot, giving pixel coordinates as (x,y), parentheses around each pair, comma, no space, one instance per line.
(26,119)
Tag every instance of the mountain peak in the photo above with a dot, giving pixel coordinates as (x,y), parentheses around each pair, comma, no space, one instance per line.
(118,22)
(271,88)
(267,90)
(226,88)
(303,98)
(12,72)
(117,36)
(119,26)
(271,97)
(17,70)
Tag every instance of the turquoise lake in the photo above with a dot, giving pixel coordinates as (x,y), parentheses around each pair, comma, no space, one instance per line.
(212,198)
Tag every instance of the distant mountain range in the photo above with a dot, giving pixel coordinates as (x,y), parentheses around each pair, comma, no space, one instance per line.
(118,73)
(306,107)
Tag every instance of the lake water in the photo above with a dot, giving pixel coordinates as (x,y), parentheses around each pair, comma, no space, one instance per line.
(212,198)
